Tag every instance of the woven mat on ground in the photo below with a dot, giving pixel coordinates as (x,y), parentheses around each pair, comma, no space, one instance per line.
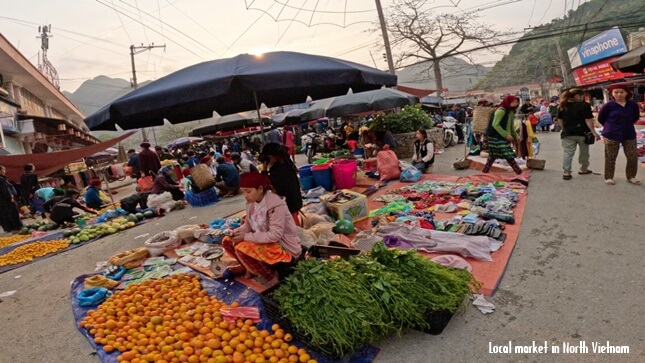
(227,291)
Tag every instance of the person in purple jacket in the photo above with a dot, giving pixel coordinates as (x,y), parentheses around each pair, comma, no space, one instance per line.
(618,117)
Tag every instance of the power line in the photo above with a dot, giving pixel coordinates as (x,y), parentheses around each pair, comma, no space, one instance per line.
(154,30)
(545,11)
(122,25)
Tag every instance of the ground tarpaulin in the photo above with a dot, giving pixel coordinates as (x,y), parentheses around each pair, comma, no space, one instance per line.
(227,291)
(488,273)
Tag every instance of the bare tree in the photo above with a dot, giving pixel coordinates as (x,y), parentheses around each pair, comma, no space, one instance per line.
(418,33)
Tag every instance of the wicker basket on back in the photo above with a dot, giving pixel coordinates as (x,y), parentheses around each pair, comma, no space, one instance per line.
(202,176)
(481,117)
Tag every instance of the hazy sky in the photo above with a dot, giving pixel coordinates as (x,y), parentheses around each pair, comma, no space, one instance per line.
(92,37)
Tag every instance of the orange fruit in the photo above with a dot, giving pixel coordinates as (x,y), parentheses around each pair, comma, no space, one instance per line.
(275,327)
(304,358)
(287,337)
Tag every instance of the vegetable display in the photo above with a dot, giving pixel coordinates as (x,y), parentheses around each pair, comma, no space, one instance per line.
(331,302)
(342,305)
(437,287)
(7,241)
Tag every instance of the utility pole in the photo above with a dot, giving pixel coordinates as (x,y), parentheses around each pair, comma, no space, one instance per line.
(565,75)
(136,50)
(386,40)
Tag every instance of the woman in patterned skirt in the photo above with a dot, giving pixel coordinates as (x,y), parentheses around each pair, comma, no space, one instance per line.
(269,234)
(501,133)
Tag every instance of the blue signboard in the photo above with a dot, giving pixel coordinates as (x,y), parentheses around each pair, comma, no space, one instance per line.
(603,45)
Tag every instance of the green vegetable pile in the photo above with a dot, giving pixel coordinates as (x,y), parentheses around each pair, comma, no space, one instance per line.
(437,287)
(343,305)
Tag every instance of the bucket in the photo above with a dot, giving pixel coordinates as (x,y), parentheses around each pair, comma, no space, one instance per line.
(305,171)
(359,151)
(322,176)
(81,222)
(307,182)
(344,173)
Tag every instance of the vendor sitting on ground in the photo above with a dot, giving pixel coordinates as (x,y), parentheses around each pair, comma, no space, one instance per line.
(423,158)
(269,234)
(61,208)
(228,178)
(164,183)
(243,165)
(92,195)
(43,195)
(283,175)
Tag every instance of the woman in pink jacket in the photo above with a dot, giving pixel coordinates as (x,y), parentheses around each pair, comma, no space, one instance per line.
(269,234)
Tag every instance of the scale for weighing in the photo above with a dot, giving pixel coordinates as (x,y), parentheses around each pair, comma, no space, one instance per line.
(214,255)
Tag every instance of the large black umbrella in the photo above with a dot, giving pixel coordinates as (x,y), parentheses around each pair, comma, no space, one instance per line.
(632,61)
(219,123)
(237,84)
(375,100)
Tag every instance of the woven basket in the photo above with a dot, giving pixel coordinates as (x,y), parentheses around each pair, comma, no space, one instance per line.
(202,176)
(481,117)
(129,259)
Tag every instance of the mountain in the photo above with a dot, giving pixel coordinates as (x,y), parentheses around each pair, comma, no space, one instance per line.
(535,57)
(458,75)
(98,92)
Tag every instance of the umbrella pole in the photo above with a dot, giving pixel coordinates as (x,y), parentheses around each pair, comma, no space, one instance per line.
(257,108)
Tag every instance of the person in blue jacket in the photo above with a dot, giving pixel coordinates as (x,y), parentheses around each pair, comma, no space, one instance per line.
(92,197)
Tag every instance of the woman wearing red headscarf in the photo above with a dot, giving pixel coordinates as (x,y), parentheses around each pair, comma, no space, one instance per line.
(269,234)
(500,133)
(617,118)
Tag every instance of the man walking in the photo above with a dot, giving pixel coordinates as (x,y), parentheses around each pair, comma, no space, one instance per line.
(460,116)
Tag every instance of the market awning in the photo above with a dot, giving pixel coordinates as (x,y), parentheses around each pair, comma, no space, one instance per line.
(54,160)
(415,91)
(632,61)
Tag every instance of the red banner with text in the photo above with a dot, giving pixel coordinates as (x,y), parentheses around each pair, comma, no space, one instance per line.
(597,73)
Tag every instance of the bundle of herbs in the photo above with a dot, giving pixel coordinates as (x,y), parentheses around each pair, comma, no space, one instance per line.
(331,302)
(433,286)
(393,292)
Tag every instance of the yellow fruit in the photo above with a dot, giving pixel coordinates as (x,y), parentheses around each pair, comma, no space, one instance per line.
(32,250)
(7,241)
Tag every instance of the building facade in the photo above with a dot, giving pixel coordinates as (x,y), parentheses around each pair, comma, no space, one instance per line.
(35,116)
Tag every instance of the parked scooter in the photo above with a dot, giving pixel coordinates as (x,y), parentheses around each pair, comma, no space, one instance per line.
(309,143)
(448,125)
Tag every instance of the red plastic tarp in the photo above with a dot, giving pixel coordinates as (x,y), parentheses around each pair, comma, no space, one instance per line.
(48,163)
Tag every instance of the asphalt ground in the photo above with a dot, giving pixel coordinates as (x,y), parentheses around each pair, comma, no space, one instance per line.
(576,275)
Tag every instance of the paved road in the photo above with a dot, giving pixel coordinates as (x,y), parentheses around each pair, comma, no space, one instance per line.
(575,275)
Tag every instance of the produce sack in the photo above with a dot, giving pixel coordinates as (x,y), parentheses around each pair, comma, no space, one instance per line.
(162,242)
(387,164)
(307,237)
(145,184)
(163,201)
(188,231)
(311,219)
(410,174)
(324,232)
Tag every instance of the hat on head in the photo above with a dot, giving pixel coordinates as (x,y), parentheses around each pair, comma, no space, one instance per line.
(145,144)
(95,182)
(623,86)
(254,180)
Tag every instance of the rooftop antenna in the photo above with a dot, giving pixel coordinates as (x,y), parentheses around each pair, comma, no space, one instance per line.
(44,65)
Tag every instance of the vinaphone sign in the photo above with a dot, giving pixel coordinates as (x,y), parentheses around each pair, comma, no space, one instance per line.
(603,45)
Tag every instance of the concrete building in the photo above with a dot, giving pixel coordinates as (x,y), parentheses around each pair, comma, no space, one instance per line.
(35,116)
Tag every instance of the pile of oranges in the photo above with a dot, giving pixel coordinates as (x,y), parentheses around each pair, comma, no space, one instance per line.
(174,320)
(28,252)
(7,241)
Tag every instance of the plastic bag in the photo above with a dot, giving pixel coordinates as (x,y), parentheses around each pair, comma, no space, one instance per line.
(387,164)
(324,232)
(411,174)
(162,242)
(187,232)
(311,219)
(145,184)
(307,237)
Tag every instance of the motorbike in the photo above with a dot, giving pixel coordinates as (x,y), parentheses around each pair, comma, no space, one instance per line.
(448,125)
(310,143)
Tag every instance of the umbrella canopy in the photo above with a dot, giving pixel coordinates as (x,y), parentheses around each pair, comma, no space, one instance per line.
(380,99)
(184,141)
(236,120)
(237,84)
(632,61)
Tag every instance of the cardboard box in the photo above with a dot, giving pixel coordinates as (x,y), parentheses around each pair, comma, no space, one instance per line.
(353,210)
